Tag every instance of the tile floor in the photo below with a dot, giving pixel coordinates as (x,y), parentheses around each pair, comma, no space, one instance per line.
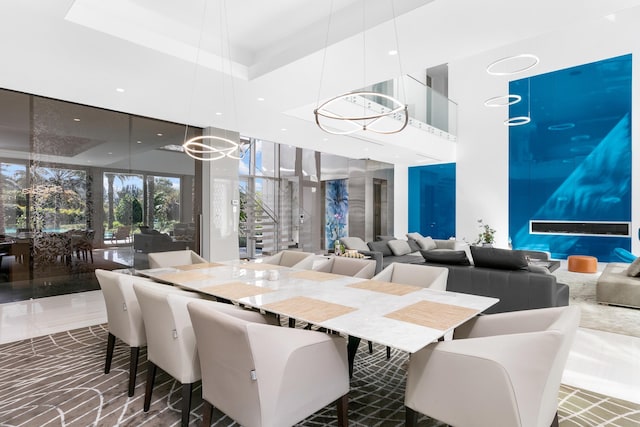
(603,362)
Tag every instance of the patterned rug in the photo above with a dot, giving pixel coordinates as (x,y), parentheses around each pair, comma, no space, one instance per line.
(608,318)
(58,380)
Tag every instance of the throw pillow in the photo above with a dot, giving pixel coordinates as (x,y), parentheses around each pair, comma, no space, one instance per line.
(399,247)
(504,259)
(634,268)
(427,244)
(415,236)
(354,243)
(380,247)
(414,245)
(445,256)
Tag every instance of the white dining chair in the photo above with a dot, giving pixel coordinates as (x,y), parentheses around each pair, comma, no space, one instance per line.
(294,259)
(264,375)
(352,267)
(425,276)
(174,258)
(171,343)
(124,319)
(499,370)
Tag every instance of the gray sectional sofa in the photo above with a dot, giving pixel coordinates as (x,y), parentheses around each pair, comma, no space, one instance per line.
(500,273)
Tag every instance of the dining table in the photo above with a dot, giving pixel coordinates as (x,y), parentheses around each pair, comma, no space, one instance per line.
(399,316)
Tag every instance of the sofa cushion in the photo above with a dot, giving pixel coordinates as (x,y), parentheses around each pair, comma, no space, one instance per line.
(354,243)
(399,247)
(380,247)
(415,236)
(413,244)
(634,268)
(427,243)
(504,259)
(445,256)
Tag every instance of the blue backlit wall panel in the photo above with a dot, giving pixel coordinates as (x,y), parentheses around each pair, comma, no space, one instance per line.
(432,200)
(572,162)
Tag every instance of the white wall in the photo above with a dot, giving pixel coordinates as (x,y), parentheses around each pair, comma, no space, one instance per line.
(400,201)
(220,204)
(482,160)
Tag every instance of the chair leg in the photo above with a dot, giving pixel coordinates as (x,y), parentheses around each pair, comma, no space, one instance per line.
(111,342)
(352,348)
(343,410)
(186,403)
(207,413)
(133,369)
(292,323)
(410,417)
(555,422)
(151,377)
(388,353)
(370,347)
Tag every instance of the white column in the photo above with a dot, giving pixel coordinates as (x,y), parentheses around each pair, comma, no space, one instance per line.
(220,204)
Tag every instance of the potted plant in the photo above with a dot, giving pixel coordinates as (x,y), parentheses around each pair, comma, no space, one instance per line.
(487,234)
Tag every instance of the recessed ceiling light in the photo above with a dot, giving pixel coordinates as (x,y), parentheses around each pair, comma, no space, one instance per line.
(76,119)
(109,153)
(325,139)
(119,89)
(218,113)
(283,129)
(393,52)
(611,17)
(139,142)
(159,134)
(260,99)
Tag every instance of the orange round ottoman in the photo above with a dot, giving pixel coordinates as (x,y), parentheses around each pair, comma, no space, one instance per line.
(583,264)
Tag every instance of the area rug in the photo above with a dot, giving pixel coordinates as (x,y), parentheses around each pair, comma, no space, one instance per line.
(608,318)
(58,380)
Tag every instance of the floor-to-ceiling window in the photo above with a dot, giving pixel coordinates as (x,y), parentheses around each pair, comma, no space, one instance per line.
(84,188)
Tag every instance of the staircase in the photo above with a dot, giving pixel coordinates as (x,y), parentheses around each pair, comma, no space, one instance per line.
(269,218)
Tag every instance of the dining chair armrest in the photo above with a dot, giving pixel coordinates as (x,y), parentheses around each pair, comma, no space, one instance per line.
(508,323)
(300,358)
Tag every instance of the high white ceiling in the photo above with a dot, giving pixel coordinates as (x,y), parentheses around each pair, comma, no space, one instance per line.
(186,61)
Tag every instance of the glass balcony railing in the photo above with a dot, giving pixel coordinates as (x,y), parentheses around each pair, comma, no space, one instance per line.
(428,109)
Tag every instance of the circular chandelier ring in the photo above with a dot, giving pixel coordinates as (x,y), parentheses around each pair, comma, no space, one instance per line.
(500,61)
(322,112)
(517,121)
(503,100)
(201,151)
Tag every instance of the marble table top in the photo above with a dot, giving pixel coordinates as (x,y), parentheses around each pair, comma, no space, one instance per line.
(389,314)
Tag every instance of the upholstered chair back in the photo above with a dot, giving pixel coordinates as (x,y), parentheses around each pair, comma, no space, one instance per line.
(123,311)
(425,276)
(353,267)
(259,374)
(174,258)
(287,258)
(171,344)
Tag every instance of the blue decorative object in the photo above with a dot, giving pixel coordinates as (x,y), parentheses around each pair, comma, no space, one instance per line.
(336,210)
(624,255)
(572,162)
